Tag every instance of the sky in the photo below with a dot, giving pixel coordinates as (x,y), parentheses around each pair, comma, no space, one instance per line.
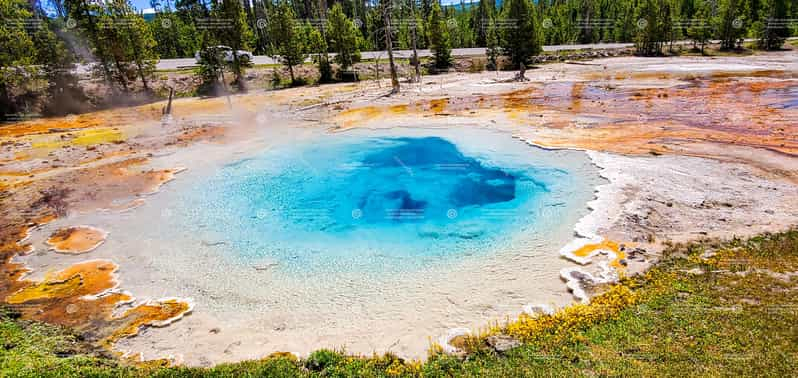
(141,4)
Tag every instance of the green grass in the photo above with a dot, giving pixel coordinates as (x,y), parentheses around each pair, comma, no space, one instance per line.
(185,70)
(277,65)
(708,309)
(29,349)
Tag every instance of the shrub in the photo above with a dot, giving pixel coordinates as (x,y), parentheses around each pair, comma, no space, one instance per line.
(323,359)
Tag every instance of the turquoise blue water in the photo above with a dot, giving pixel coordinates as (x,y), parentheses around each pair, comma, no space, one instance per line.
(370,203)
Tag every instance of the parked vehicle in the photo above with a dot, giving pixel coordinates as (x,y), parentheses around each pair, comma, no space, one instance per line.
(227,53)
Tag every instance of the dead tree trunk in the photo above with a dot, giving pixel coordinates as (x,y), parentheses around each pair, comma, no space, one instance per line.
(389,45)
(416,63)
(168,109)
(521,76)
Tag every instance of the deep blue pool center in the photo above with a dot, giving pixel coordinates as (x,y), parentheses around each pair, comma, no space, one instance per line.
(415,180)
(345,200)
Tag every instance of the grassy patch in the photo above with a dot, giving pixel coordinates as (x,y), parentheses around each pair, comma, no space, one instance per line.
(709,308)
(183,70)
(277,65)
(30,349)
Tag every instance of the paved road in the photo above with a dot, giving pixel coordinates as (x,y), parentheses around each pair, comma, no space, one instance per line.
(171,64)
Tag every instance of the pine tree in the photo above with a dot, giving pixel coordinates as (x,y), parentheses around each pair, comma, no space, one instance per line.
(492,43)
(63,95)
(426,8)
(481,18)
(386,8)
(730,23)
(112,43)
(15,57)
(174,38)
(774,29)
(261,9)
(461,31)
(586,20)
(287,37)
(625,25)
(318,47)
(85,16)
(237,35)
(342,37)
(700,30)
(559,28)
(439,43)
(135,43)
(653,26)
(403,36)
(211,71)
(521,39)
(414,60)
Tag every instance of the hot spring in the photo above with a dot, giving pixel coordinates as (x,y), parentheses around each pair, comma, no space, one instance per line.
(363,203)
(369,240)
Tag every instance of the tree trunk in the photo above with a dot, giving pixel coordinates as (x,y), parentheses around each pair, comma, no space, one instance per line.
(137,59)
(521,73)
(142,76)
(168,109)
(6,105)
(377,68)
(389,44)
(122,74)
(239,80)
(98,45)
(416,63)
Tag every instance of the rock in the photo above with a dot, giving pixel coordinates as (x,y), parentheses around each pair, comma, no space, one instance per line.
(580,276)
(454,340)
(502,343)
(460,342)
(694,271)
(228,350)
(264,267)
(538,309)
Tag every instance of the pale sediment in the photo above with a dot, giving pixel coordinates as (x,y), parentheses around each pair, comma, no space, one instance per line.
(588,246)
(676,198)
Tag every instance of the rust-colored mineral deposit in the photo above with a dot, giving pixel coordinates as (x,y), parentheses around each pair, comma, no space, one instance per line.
(76,240)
